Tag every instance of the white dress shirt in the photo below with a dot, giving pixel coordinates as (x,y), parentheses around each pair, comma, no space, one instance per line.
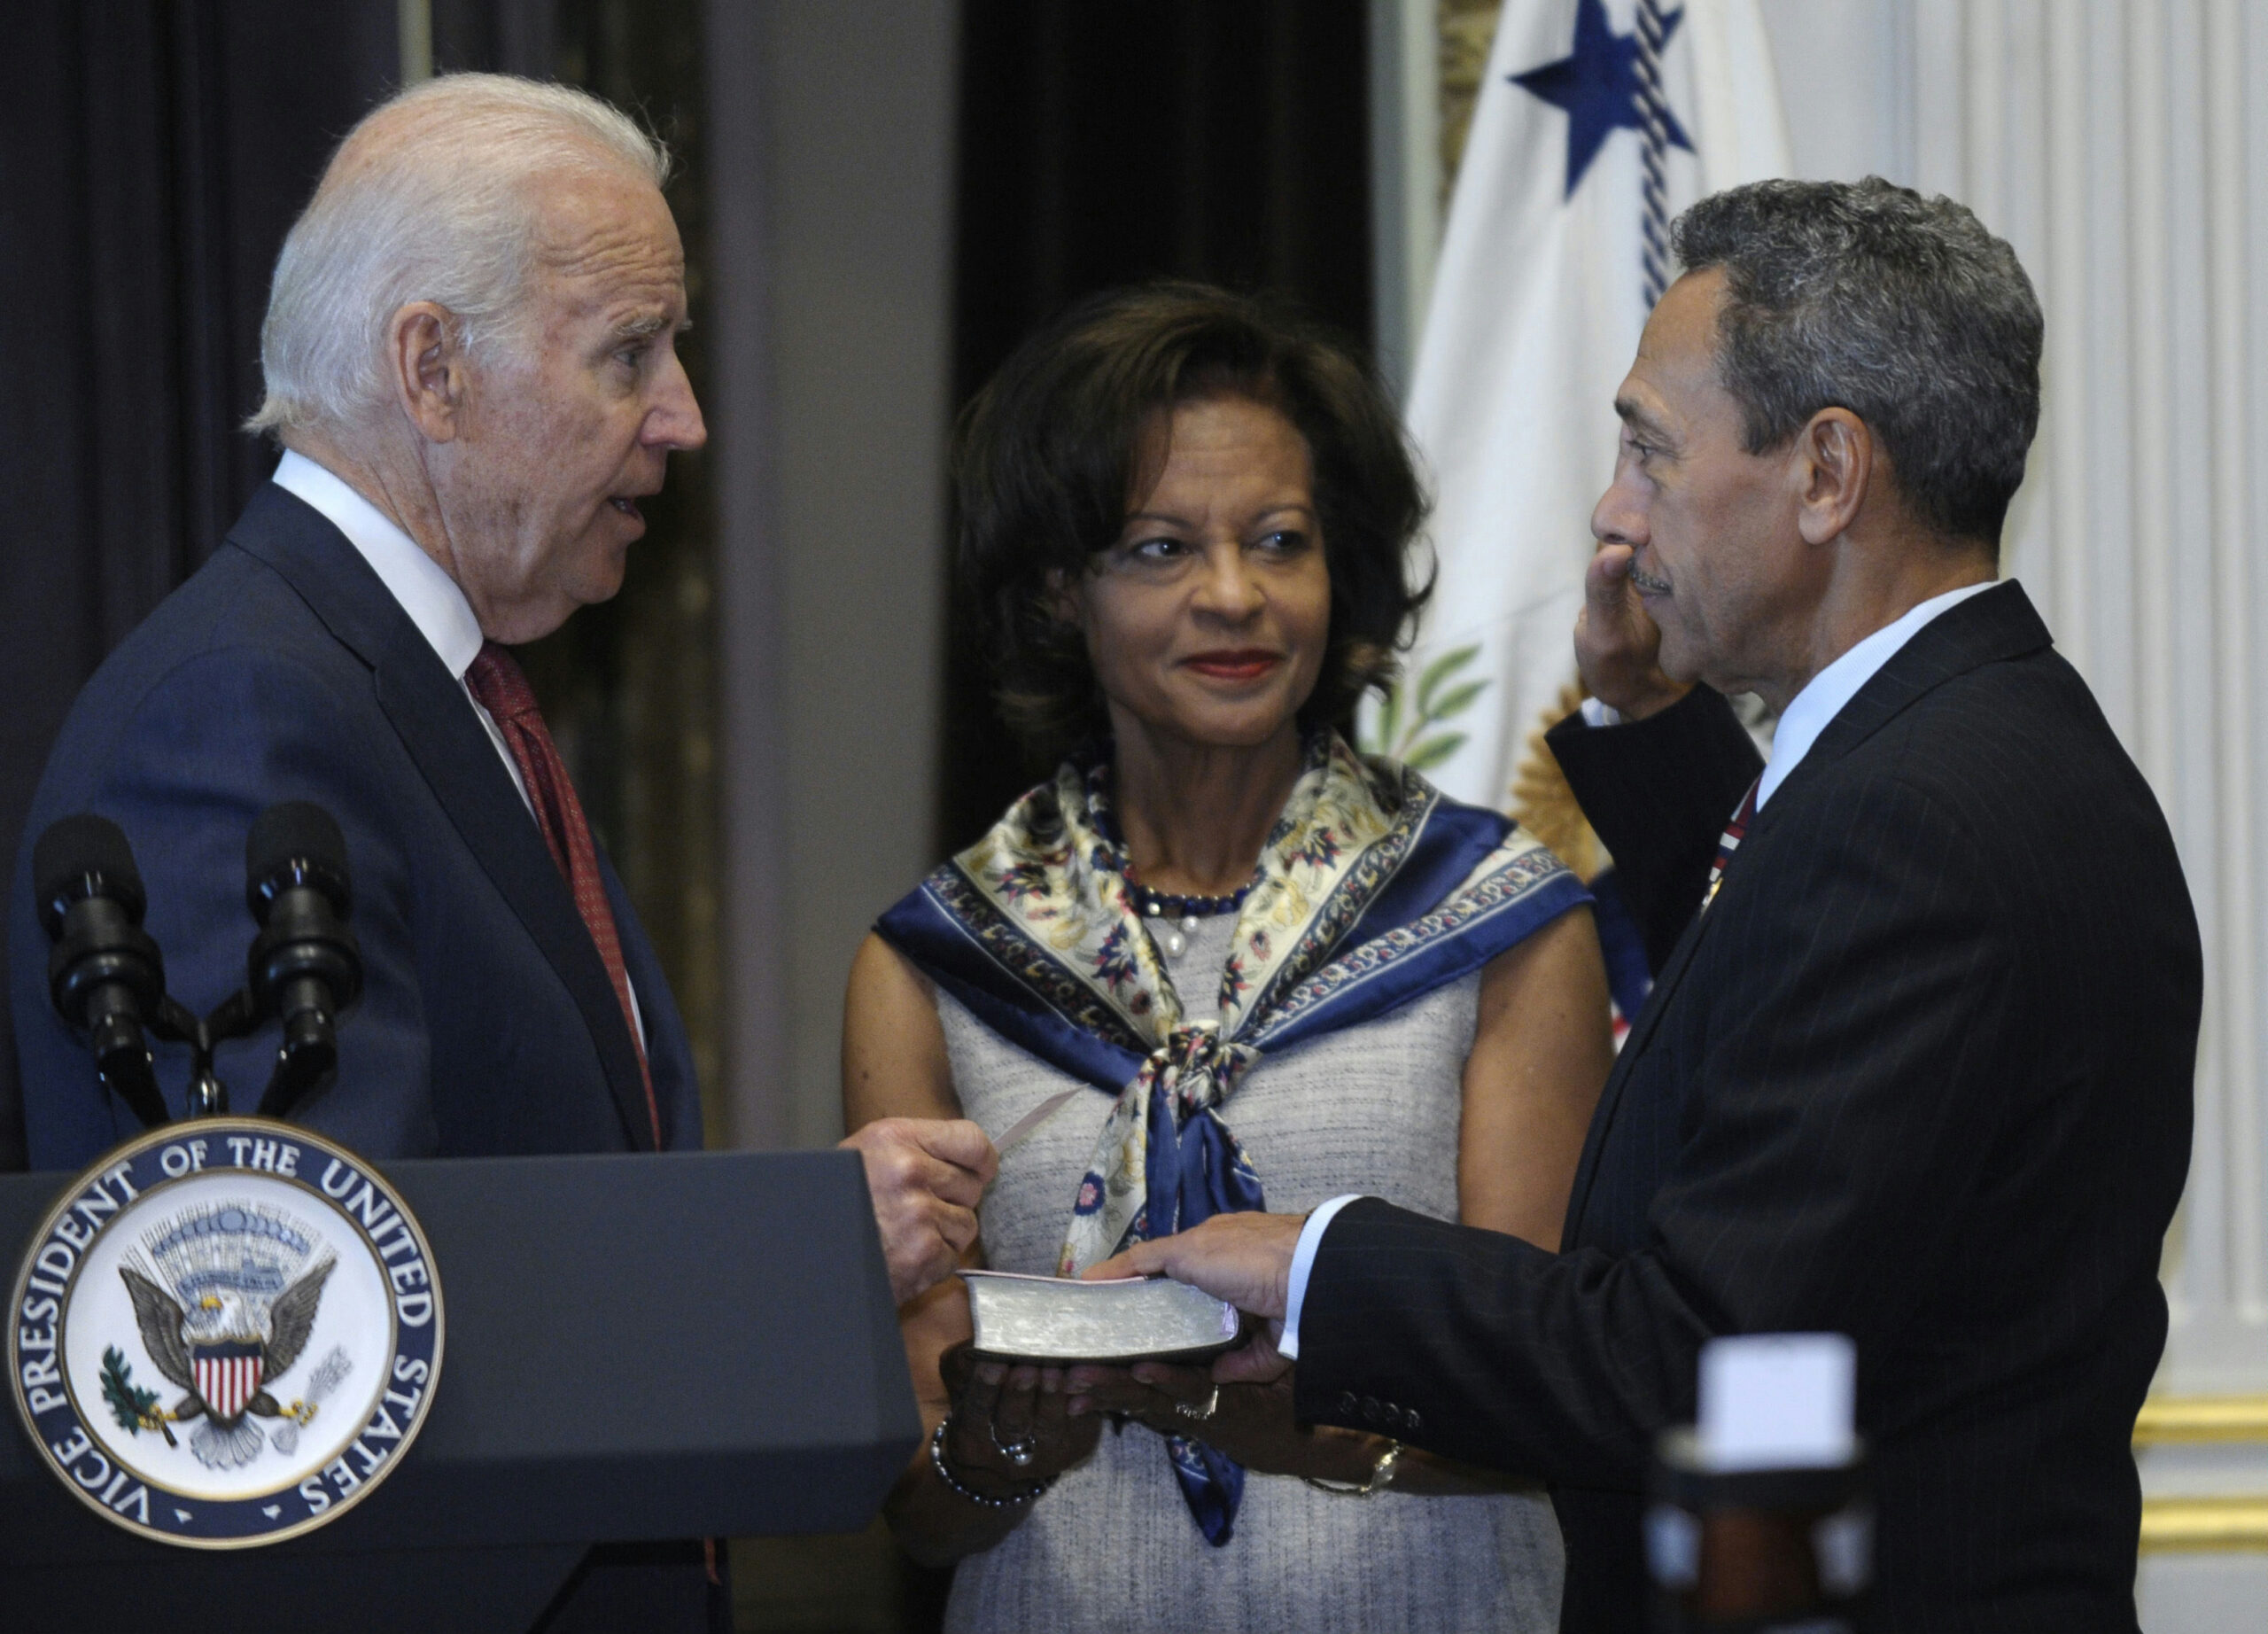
(426,592)
(1823,696)
(1806,716)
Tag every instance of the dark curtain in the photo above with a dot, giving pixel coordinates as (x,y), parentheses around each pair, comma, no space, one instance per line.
(153,155)
(1104,140)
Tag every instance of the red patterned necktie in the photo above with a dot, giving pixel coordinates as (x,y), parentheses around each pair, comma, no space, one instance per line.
(501,689)
(1728,842)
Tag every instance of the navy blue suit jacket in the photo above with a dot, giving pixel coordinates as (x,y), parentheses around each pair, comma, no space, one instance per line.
(284,669)
(1920,1074)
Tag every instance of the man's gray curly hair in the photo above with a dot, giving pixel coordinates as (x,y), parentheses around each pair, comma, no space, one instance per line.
(435,205)
(1903,309)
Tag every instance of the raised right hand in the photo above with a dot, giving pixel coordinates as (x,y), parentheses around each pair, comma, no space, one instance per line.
(1618,647)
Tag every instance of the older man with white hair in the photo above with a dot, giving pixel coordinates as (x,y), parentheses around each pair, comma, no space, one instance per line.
(470,362)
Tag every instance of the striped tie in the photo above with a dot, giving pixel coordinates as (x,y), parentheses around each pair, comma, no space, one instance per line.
(1728,842)
(501,689)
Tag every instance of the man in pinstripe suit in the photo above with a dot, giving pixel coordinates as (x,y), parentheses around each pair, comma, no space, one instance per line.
(1917,1064)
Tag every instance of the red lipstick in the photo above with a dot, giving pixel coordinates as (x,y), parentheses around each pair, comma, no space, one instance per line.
(1235,663)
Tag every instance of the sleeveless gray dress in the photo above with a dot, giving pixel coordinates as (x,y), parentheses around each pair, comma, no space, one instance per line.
(1373,1109)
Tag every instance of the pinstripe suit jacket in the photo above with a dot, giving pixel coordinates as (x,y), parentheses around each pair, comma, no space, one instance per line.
(1920,1075)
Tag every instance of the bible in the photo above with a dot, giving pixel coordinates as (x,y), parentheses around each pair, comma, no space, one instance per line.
(1060,1319)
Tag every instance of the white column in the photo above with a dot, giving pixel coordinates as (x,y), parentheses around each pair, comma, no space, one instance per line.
(833,166)
(1405,178)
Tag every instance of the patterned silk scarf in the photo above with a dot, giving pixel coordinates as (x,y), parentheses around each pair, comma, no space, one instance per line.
(1373,890)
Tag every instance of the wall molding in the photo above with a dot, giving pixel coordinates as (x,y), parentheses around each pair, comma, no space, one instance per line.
(2208,1523)
(2166,1421)
(2205,1525)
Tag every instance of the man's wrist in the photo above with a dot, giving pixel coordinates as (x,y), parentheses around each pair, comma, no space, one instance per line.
(1634,704)
(1287,1345)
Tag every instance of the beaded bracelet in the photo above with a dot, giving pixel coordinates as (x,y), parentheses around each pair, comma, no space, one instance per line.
(937,1462)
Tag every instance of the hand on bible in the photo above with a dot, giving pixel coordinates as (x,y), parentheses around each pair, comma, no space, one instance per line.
(926,1176)
(1243,1258)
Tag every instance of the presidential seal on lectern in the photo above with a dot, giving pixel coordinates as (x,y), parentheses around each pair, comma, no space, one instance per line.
(226,1333)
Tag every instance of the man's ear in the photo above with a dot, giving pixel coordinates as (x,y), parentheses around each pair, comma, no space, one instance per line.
(1832,468)
(425,358)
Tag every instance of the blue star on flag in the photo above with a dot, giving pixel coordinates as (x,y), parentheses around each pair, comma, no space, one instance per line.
(1598,85)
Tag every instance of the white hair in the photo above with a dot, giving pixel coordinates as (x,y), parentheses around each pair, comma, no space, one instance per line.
(437,207)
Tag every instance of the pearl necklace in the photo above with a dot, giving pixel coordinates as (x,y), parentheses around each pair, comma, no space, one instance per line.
(1155,904)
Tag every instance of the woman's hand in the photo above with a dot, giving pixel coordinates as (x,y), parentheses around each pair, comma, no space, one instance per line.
(1251,1423)
(1004,1411)
(994,1412)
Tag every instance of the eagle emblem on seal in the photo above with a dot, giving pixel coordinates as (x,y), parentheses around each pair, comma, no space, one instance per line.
(226,1298)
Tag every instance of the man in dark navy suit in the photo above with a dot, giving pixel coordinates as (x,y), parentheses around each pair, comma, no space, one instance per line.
(470,362)
(1916,1066)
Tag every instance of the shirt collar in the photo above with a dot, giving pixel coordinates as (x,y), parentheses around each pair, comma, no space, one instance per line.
(426,592)
(1822,698)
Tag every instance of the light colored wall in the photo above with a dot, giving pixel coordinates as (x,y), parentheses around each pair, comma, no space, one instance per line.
(832,128)
(1845,70)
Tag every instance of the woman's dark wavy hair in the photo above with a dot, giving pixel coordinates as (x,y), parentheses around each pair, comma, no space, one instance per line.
(1052,454)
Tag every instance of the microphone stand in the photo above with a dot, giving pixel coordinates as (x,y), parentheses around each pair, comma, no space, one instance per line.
(306,1060)
(303,1065)
(234,1017)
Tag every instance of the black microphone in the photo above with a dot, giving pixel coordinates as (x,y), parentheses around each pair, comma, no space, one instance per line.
(305,966)
(105,976)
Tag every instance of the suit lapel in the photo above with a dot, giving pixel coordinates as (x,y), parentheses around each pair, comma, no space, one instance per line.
(435,719)
(1988,627)
(1625,1062)
(1991,626)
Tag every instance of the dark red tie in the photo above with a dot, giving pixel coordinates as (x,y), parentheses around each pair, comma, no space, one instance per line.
(498,683)
(1728,842)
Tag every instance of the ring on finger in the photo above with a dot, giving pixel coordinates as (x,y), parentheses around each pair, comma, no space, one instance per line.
(1018,1452)
(1200,1411)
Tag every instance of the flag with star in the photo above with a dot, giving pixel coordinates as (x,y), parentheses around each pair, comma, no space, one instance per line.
(1597,120)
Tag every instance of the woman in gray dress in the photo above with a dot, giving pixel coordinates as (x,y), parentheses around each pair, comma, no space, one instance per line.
(1272,966)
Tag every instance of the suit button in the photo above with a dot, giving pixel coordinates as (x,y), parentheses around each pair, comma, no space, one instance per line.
(1347,1405)
(1411,1421)
(1370,1410)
